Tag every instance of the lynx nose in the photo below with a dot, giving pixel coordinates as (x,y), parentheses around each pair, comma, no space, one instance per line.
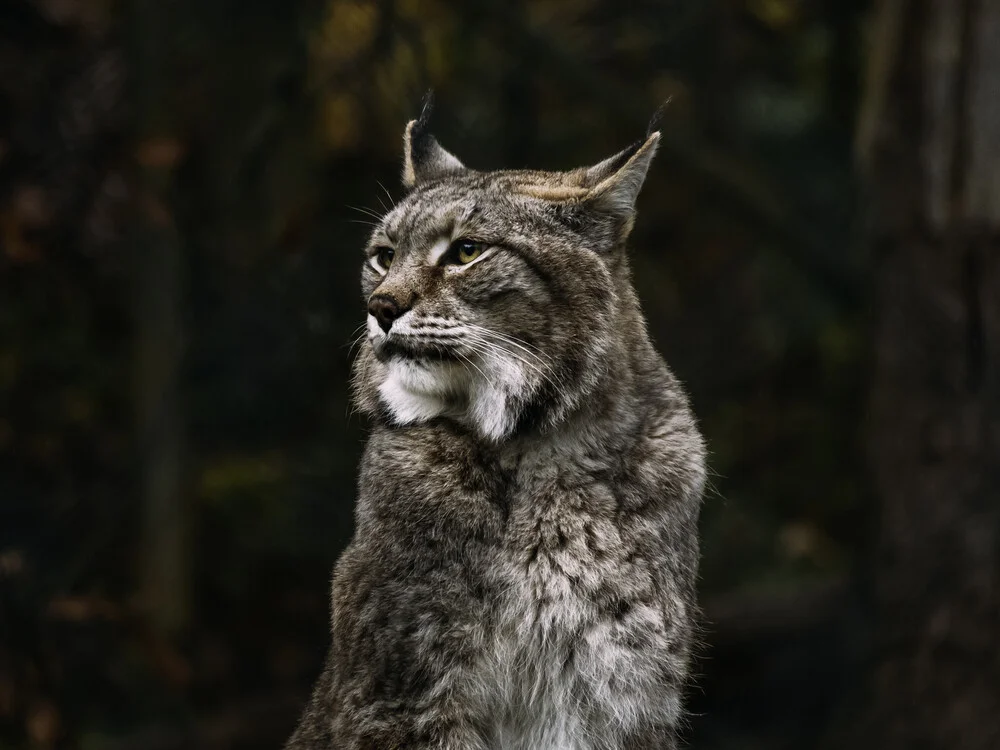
(385,309)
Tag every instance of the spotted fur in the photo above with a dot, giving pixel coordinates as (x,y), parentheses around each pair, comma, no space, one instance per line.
(522,574)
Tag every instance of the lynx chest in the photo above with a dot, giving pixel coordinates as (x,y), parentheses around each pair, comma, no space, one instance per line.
(581,633)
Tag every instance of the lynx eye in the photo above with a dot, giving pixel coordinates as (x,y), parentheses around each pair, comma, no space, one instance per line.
(463,252)
(382,259)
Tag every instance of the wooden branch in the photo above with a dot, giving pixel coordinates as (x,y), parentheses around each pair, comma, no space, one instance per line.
(157,281)
(883,48)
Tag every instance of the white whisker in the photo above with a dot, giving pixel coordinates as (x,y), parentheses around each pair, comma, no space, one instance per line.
(489,347)
(368,212)
(387,195)
(529,356)
(522,345)
(472,364)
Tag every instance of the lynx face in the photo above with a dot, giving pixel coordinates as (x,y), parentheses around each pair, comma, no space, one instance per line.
(492,296)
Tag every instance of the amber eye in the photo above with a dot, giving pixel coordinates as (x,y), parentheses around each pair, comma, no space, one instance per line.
(382,259)
(463,252)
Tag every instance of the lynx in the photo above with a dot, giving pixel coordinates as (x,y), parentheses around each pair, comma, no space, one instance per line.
(522,575)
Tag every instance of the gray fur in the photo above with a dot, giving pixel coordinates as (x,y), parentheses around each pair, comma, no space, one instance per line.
(523,571)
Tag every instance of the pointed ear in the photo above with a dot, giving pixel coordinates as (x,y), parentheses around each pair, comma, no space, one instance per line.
(423,157)
(615,182)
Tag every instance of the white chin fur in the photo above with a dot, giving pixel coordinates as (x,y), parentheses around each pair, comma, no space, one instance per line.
(490,410)
(420,391)
(416,392)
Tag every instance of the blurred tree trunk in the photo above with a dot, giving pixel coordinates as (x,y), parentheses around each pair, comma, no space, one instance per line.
(929,142)
(158,317)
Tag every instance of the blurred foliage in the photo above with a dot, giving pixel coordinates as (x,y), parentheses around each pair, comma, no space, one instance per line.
(285,127)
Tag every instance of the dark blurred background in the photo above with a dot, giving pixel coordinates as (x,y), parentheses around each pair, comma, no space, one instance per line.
(183,195)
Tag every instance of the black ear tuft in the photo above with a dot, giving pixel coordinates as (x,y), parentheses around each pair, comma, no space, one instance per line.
(419,129)
(423,157)
(654,121)
(426,107)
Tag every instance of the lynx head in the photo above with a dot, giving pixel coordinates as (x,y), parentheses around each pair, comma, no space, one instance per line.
(494,297)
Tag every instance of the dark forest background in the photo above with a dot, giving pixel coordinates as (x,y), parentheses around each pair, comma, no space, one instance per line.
(183,189)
